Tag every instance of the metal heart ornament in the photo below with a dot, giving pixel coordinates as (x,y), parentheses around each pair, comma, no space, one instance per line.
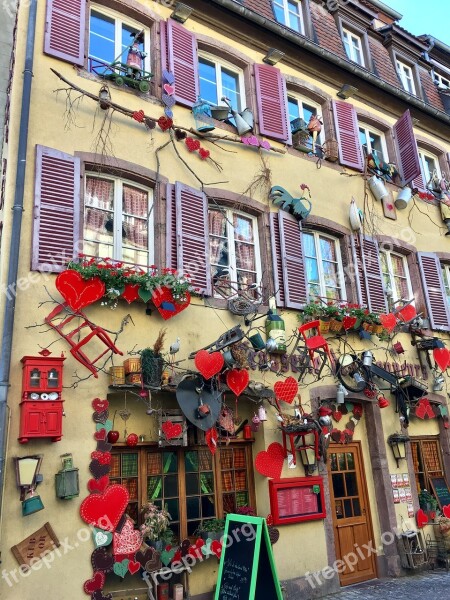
(286,390)
(171,430)
(78,292)
(168,76)
(237,380)
(441,357)
(168,100)
(388,321)
(270,462)
(209,364)
(105,510)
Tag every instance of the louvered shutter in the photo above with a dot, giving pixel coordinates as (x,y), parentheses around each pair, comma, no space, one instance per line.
(56,224)
(272,103)
(193,236)
(171,227)
(65,27)
(356,249)
(435,296)
(347,134)
(183,62)
(376,299)
(289,267)
(408,156)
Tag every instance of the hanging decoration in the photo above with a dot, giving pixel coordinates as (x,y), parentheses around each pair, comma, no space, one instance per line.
(78,292)
(286,390)
(355,411)
(126,542)
(294,206)
(171,430)
(269,463)
(211,438)
(254,141)
(200,402)
(442,357)
(421,518)
(237,380)
(356,216)
(423,409)
(209,364)
(388,321)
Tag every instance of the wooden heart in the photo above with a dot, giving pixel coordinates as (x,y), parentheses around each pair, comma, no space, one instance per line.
(441,357)
(100,434)
(270,462)
(168,76)
(133,567)
(286,390)
(421,518)
(121,568)
(167,555)
(101,560)
(138,116)
(388,321)
(78,292)
(163,297)
(408,313)
(169,89)
(100,417)
(171,430)
(101,538)
(104,446)
(168,100)
(99,405)
(98,595)
(237,380)
(143,556)
(154,563)
(446,511)
(165,123)
(95,455)
(98,485)
(216,548)
(211,437)
(105,510)
(335,435)
(253,140)
(145,295)
(95,583)
(274,535)
(131,292)
(195,550)
(128,541)
(209,364)
(348,322)
(424,410)
(337,415)
(98,470)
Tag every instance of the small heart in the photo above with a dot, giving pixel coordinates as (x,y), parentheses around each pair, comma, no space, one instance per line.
(191,144)
(154,563)
(101,538)
(168,112)
(100,434)
(95,455)
(209,364)
(446,511)
(204,154)
(143,556)
(171,430)
(408,312)
(98,470)
(95,583)
(180,135)
(441,357)
(131,292)
(165,123)
(101,560)
(99,405)
(167,555)
(265,144)
(145,295)
(78,292)
(168,100)
(216,548)
(336,435)
(388,321)
(98,485)
(253,140)
(169,89)
(421,518)
(121,568)
(139,116)
(237,380)
(104,446)
(274,535)
(286,390)
(168,76)
(133,567)
(337,415)
(100,417)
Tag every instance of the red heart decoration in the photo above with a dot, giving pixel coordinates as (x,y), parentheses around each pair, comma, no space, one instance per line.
(98,485)
(421,518)
(204,154)
(208,364)
(286,390)
(100,434)
(408,313)
(128,541)
(169,89)
(270,462)
(216,548)
(95,455)
(195,549)
(192,145)
(442,357)
(165,123)
(211,438)
(388,321)
(446,511)
(95,583)
(337,415)
(139,116)
(237,380)
(99,405)
(105,510)
(78,292)
(163,296)
(348,322)
(131,292)
(424,410)
(171,430)
(105,458)
(269,520)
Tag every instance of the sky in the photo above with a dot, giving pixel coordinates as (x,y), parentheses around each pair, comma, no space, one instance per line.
(430,17)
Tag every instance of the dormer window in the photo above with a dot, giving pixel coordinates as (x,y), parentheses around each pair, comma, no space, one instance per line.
(406,77)
(442,82)
(289,13)
(353,46)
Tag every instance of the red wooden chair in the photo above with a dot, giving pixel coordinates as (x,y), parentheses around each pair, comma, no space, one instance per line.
(314,342)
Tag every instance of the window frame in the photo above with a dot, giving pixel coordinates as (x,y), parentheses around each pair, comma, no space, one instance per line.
(400,66)
(419,440)
(438,80)
(351,34)
(445,268)
(287,12)
(219,62)
(119,19)
(341,273)
(424,154)
(368,129)
(394,299)
(119,182)
(300,99)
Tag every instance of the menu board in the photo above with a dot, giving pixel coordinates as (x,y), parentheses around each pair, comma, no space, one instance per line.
(441,491)
(296,499)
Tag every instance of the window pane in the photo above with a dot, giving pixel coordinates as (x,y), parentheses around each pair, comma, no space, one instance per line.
(308,244)
(191,461)
(338,485)
(217,223)
(192,484)
(170,486)
(173,508)
(293,109)
(245,257)
(279,11)
(330,274)
(206,483)
(243,228)
(101,37)
(350,482)
(154,487)
(170,462)
(193,508)
(207,505)
(398,265)
(230,87)
(208,81)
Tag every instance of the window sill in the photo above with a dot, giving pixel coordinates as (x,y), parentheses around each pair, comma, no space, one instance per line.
(147,97)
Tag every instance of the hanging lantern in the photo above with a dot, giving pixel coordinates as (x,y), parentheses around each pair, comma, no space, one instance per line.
(104,97)
(262,414)
(377,187)
(202,115)
(66,481)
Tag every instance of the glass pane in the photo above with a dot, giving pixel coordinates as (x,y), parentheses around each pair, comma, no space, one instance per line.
(308,245)
(341,462)
(229,505)
(363,140)
(239,458)
(312,271)
(243,228)
(226,458)
(132,486)
(227,480)
(191,461)
(356,507)
(208,82)
(170,462)
(206,483)
(279,11)
(129,465)
(334,465)
(205,458)
(207,504)
(350,461)
(398,265)
(350,482)
(154,488)
(192,484)
(217,223)
(135,201)
(101,37)
(348,511)
(192,528)
(245,279)
(245,257)
(293,109)
(134,233)
(193,508)
(218,252)
(170,486)
(338,485)
(230,88)
(308,112)
(241,499)
(328,249)
(240,480)
(154,464)
(330,274)
(173,508)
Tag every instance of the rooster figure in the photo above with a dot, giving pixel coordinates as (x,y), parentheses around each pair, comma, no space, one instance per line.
(282,198)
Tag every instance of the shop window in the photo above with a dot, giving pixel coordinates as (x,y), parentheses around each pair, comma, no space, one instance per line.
(190,482)
(300,108)
(406,76)
(396,280)
(218,78)
(289,13)
(373,142)
(427,461)
(234,250)
(323,265)
(118,220)
(353,46)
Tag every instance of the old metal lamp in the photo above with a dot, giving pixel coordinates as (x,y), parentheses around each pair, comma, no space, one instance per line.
(397,442)
(66,481)
(181,12)
(28,477)
(307,456)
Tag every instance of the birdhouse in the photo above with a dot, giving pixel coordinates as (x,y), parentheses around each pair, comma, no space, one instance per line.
(66,481)
(202,115)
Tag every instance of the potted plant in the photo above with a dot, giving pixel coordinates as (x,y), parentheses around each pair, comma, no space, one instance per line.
(152,362)
(212,529)
(428,503)
(156,525)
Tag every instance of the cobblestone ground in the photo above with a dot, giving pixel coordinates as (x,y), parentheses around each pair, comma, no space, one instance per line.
(430,584)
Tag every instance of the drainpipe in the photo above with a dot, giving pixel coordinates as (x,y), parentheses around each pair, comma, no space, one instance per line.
(13,266)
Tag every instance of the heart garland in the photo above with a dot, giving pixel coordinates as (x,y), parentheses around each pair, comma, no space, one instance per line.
(78,292)
(254,141)
(346,435)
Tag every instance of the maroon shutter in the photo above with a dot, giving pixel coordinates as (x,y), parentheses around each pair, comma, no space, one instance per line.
(183,62)
(435,296)
(289,267)
(408,157)
(193,236)
(65,27)
(56,225)
(171,227)
(376,299)
(347,133)
(356,248)
(277,260)
(272,103)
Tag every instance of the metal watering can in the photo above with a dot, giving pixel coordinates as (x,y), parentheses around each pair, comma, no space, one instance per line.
(242,125)
(282,198)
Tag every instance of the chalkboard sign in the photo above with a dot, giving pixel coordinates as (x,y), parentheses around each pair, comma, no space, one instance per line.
(441,491)
(247,568)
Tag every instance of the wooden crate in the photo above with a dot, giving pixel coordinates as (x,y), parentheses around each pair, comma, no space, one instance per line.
(176,416)
(132,365)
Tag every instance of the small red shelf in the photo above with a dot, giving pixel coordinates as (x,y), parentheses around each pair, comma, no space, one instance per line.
(297,499)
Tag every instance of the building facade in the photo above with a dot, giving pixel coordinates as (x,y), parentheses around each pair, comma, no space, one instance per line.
(289,159)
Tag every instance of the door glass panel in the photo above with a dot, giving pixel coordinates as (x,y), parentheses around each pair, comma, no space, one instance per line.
(350,482)
(348,509)
(333,462)
(341,462)
(171,486)
(350,461)
(356,507)
(339,509)
(193,508)
(338,485)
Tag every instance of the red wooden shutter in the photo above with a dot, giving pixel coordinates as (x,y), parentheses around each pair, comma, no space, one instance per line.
(347,133)
(272,103)
(193,236)
(56,225)
(376,299)
(65,27)
(408,156)
(289,267)
(435,296)
(361,290)
(171,227)
(183,62)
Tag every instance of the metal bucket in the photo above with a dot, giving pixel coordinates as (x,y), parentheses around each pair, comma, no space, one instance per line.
(403,198)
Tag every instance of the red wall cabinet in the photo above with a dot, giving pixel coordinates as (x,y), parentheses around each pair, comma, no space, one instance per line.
(41,408)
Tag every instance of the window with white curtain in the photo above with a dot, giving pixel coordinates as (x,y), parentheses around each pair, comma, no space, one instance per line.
(324,272)
(396,280)
(429,167)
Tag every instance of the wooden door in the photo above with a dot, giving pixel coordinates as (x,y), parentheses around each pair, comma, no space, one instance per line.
(351,514)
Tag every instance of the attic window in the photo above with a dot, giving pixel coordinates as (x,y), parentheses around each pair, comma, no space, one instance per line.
(289,13)
(440,81)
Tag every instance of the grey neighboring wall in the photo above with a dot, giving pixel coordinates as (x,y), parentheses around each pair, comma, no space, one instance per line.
(8,14)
